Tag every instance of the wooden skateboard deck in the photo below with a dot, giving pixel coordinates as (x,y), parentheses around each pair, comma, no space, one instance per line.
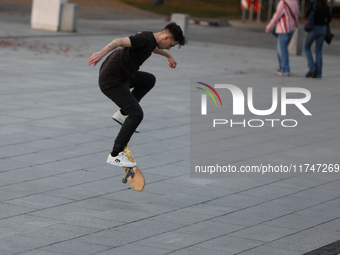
(133,175)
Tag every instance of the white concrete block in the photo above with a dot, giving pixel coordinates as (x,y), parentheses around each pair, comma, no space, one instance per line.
(46,14)
(183,21)
(69,17)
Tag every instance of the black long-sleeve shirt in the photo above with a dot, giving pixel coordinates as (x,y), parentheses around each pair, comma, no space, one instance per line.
(322,15)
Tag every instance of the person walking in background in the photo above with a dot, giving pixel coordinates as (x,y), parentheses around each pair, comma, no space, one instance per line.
(286,19)
(317,34)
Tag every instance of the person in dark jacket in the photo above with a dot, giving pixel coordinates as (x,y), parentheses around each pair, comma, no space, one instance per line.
(318,34)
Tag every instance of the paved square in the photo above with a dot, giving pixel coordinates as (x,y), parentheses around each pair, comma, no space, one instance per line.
(58,196)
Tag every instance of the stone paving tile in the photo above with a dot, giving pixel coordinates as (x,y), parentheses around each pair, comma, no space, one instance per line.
(160,159)
(126,214)
(39,201)
(260,213)
(209,228)
(333,203)
(82,137)
(111,238)
(73,193)
(208,191)
(127,196)
(101,204)
(69,213)
(90,221)
(333,225)
(243,183)
(54,182)
(195,250)
(11,164)
(321,211)
(74,247)
(19,244)
(103,186)
(26,223)
(171,241)
(7,232)
(134,249)
(61,232)
(26,174)
(214,211)
(25,189)
(8,210)
(306,241)
(264,233)
(84,175)
(154,177)
(179,201)
(229,244)
(270,250)
(295,221)
(301,182)
(331,185)
(39,252)
(153,228)
(241,221)
(8,195)
(290,203)
(239,201)
(13,150)
(318,194)
(269,191)
(162,186)
(168,170)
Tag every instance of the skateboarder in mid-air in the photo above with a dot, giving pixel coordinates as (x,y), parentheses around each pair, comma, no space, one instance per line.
(120,72)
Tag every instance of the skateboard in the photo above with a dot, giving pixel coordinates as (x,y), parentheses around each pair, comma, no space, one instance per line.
(133,174)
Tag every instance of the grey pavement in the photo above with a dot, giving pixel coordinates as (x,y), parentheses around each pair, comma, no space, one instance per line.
(58,196)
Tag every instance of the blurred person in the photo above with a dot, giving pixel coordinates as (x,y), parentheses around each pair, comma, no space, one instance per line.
(286,19)
(120,72)
(317,34)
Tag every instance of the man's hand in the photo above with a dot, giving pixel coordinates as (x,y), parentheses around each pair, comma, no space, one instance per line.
(172,62)
(95,58)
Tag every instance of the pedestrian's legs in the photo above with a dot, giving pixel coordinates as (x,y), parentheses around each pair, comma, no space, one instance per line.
(321,34)
(309,41)
(283,44)
(279,53)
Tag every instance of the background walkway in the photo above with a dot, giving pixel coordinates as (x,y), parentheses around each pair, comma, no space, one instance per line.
(57,195)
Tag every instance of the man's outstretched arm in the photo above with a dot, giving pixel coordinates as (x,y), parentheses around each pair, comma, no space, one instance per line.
(172,62)
(119,42)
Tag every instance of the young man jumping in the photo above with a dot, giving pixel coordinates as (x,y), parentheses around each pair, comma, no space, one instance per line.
(120,72)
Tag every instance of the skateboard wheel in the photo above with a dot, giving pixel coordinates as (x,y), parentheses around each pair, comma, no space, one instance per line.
(124,181)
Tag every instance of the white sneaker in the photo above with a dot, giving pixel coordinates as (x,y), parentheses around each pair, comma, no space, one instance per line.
(120,160)
(120,118)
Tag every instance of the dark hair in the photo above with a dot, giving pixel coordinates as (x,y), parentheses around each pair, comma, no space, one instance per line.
(176,32)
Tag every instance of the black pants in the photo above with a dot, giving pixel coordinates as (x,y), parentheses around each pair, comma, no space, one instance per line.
(128,101)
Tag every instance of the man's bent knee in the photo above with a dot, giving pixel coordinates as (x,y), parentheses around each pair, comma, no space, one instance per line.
(137,117)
